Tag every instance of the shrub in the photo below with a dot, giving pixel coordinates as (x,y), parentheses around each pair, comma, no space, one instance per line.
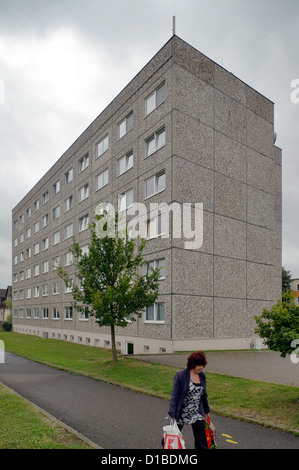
(7,326)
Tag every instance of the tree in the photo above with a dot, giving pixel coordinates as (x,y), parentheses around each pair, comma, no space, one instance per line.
(279,326)
(110,283)
(286,280)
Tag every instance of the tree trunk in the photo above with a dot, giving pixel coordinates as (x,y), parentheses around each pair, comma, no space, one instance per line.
(114,353)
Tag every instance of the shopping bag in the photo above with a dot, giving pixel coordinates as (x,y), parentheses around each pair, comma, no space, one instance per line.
(173,438)
(210,433)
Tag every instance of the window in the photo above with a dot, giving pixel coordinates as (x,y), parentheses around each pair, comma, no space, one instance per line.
(21,218)
(22,275)
(56,238)
(21,294)
(68,288)
(36,227)
(83,223)
(21,237)
(36,312)
(36,270)
(84,315)
(36,291)
(155,184)
(125,163)
(155,313)
(45,220)
(83,192)
(21,256)
(68,231)
(156,264)
(45,243)
(45,197)
(68,313)
(56,212)
(125,200)
(15,242)
(28,232)
(56,188)
(45,266)
(16,260)
(45,289)
(55,313)
(83,163)
(102,179)
(155,142)
(68,176)
(28,273)
(28,213)
(68,258)
(68,203)
(55,288)
(156,226)
(28,253)
(28,312)
(36,206)
(55,262)
(28,293)
(45,312)
(21,313)
(155,99)
(102,146)
(126,125)
(36,249)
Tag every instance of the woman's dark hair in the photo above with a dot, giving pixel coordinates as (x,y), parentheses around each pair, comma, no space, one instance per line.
(197,359)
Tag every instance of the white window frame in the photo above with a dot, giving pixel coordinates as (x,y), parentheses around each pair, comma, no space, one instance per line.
(45,197)
(56,238)
(68,312)
(56,212)
(126,161)
(68,231)
(45,312)
(155,264)
(125,125)
(102,179)
(155,142)
(155,180)
(84,163)
(45,220)
(55,313)
(155,307)
(83,223)
(69,203)
(124,197)
(68,176)
(153,101)
(83,192)
(45,243)
(155,227)
(56,188)
(102,146)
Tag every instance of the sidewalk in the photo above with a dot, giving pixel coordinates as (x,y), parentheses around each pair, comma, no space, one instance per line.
(266,366)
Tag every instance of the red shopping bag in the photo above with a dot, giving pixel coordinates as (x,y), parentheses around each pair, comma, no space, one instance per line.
(210,433)
(173,438)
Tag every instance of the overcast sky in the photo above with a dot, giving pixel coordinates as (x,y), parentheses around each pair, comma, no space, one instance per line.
(63,61)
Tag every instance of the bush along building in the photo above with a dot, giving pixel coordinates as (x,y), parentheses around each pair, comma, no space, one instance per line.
(186,133)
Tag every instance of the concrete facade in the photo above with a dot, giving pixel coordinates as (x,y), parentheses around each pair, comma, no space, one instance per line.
(214,139)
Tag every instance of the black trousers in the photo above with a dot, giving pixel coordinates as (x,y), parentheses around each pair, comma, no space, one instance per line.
(199,433)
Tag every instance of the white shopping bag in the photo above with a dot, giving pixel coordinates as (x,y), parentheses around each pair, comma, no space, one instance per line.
(173,438)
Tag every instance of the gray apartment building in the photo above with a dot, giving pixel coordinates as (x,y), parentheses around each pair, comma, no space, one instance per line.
(183,131)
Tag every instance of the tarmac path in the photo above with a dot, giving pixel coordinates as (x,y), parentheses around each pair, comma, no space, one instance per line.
(116,418)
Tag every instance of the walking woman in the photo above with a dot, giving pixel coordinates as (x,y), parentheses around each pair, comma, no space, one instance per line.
(189,401)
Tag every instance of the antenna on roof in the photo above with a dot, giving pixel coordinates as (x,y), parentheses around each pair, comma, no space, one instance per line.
(173,25)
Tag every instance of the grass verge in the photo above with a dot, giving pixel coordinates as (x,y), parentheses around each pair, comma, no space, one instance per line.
(25,427)
(269,404)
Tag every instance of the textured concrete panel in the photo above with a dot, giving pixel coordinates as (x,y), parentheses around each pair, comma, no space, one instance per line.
(230,117)
(230,237)
(229,278)
(192,273)
(193,140)
(230,157)
(260,208)
(193,317)
(230,197)
(260,171)
(230,318)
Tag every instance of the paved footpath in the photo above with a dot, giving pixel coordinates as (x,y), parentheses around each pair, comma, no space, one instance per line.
(116,418)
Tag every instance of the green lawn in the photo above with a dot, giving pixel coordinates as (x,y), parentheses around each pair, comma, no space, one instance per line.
(25,427)
(270,404)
